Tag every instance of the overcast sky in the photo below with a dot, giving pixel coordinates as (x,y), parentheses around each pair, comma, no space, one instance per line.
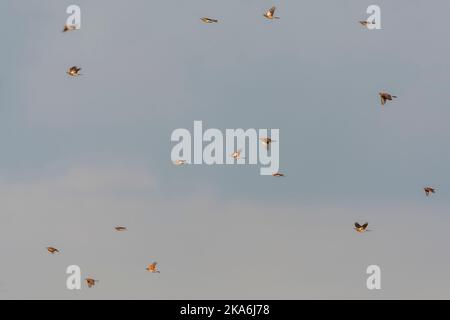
(82,155)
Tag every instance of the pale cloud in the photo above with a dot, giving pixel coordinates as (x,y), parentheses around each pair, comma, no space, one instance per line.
(224,249)
(85,180)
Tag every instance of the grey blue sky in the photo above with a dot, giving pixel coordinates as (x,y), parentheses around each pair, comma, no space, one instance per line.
(81,155)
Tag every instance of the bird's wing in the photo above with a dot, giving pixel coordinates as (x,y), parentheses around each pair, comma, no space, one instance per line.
(357,225)
(365,225)
(272,10)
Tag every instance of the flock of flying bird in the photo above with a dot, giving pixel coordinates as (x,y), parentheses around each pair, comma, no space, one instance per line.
(74,71)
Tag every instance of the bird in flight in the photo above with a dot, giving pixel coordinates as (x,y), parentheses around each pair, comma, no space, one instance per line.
(270,13)
(69,27)
(52,250)
(237,155)
(179,162)
(278,174)
(74,71)
(120,228)
(152,268)
(429,190)
(385,97)
(91,282)
(209,20)
(361,228)
(365,23)
(266,141)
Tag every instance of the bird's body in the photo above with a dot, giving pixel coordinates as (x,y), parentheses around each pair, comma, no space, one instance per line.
(384,96)
(152,268)
(91,282)
(366,23)
(266,141)
(237,155)
(429,190)
(361,228)
(209,20)
(120,228)
(179,162)
(52,250)
(74,71)
(270,14)
(69,27)
(278,174)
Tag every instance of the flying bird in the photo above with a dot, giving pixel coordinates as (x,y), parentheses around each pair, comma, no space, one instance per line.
(52,250)
(270,13)
(266,141)
(237,155)
(429,190)
(69,27)
(361,228)
(152,268)
(91,282)
(74,71)
(366,23)
(179,162)
(278,174)
(209,20)
(385,97)
(119,228)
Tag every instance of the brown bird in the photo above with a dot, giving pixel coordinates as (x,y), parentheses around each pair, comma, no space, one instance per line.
(365,23)
(91,282)
(361,228)
(385,96)
(237,155)
(152,268)
(119,228)
(74,71)
(270,13)
(209,20)
(278,174)
(266,141)
(69,27)
(52,250)
(179,162)
(429,190)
